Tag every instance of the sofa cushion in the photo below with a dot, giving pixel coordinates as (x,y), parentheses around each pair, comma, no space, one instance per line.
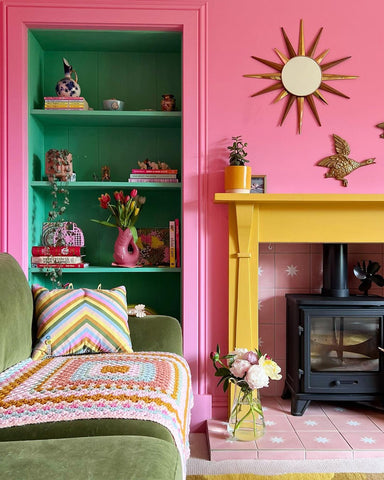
(16,313)
(117,457)
(76,321)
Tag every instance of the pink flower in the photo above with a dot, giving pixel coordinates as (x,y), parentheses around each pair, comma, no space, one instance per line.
(133,193)
(126,199)
(256,377)
(251,357)
(239,367)
(119,196)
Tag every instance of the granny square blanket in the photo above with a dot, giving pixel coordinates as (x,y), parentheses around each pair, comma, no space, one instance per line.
(153,386)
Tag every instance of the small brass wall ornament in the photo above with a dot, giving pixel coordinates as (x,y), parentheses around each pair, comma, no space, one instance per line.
(340,165)
(381,125)
(300,76)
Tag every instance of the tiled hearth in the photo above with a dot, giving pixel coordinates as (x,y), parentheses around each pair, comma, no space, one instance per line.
(325,431)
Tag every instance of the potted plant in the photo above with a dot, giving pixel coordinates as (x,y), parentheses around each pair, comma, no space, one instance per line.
(237,174)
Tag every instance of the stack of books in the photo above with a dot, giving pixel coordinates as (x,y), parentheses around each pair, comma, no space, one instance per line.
(65,103)
(174,243)
(58,257)
(148,176)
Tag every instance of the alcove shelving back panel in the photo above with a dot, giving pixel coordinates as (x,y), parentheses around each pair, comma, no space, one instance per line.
(137,67)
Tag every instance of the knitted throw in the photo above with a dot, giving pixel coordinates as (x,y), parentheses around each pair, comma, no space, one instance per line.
(144,386)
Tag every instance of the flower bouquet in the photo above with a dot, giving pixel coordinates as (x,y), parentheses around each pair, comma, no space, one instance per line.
(249,371)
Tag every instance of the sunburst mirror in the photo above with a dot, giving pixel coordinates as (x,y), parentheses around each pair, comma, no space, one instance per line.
(300,76)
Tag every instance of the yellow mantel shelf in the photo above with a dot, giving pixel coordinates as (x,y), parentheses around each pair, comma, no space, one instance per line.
(255,218)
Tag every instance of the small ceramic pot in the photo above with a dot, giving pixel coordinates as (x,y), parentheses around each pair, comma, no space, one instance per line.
(113,104)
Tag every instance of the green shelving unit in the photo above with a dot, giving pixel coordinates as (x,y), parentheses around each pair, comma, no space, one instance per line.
(136,67)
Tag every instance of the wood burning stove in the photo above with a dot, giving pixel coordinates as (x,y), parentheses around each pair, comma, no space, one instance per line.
(334,341)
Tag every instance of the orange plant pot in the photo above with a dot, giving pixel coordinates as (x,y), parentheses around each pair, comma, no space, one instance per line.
(237,179)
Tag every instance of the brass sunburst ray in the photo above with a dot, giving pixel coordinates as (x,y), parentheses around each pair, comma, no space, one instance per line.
(328,88)
(273,87)
(300,76)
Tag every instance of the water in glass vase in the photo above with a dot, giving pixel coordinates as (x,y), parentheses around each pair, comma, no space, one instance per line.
(246,422)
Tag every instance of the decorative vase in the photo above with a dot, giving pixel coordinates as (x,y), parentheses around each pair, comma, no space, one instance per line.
(237,179)
(246,421)
(67,87)
(168,103)
(126,252)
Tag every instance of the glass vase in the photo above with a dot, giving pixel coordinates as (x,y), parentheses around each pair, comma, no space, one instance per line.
(246,422)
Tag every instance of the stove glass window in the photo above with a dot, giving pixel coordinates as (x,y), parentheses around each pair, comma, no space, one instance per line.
(348,343)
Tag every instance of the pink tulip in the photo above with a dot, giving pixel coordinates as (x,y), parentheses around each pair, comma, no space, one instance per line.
(104,200)
(133,193)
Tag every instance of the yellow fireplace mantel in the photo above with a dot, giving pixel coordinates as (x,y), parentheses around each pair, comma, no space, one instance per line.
(312,218)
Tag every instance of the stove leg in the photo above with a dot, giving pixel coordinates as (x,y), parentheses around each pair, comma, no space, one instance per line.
(298,407)
(286,392)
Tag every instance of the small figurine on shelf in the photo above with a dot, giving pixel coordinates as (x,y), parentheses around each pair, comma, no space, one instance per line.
(105,174)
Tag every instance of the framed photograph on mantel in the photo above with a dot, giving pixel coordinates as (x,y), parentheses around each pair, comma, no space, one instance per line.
(258,184)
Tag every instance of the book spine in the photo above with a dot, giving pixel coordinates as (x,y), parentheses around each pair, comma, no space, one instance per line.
(172,244)
(152,175)
(61,265)
(139,170)
(38,250)
(177,241)
(55,259)
(63,99)
(153,180)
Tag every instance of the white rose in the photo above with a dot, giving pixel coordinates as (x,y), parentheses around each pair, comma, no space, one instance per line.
(239,368)
(256,377)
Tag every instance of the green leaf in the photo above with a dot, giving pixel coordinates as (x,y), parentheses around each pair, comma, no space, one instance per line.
(103,222)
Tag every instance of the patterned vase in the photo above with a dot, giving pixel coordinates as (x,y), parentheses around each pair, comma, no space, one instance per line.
(67,87)
(126,252)
(246,421)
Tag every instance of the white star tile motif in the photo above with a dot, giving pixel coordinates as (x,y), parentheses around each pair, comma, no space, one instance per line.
(269,423)
(261,271)
(353,423)
(368,440)
(260,304)
(277,440)
(311,423)
(321,439)
(291,270)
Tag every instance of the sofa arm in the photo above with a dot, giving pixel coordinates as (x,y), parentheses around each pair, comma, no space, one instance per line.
(157,333)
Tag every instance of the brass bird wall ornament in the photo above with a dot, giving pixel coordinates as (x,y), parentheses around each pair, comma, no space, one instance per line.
(340,165)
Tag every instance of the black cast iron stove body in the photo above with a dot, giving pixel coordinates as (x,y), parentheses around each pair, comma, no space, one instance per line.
(333,346)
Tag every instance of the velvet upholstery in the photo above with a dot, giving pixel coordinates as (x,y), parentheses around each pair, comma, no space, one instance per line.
(16,313)
(118,458)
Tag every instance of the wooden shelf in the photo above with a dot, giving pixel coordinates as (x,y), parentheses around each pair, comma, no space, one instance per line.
(99,269)
(109,185)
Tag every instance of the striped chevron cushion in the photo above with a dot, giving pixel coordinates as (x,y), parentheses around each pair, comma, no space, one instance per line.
(80,321)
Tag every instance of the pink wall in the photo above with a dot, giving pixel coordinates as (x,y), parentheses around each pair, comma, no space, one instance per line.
(228,33)
(236,31)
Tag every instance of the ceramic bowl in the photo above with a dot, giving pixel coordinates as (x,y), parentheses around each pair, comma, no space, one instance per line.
(113,104)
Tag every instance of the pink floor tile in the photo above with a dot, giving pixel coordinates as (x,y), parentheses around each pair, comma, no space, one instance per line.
(365,440)
(377,419)
(311,423)
(220,439)
(279,441)
(281,455)
(278,423)
(343,409)
(326,440)
(328,454)
(220,455)
(369,454)
(353,423)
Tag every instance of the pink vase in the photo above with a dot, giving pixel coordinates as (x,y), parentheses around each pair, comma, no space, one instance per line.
(126,252)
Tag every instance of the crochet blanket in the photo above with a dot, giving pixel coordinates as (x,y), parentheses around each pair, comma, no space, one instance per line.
(152,386)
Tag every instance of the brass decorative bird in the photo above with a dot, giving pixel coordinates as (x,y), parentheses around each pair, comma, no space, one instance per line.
(340,165)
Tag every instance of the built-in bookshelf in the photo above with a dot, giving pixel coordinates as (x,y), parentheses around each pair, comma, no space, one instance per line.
(137,67)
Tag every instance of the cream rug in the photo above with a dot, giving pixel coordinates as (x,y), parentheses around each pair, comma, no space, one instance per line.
(291,476)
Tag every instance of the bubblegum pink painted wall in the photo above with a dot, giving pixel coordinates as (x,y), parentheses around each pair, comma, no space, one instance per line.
(236,31)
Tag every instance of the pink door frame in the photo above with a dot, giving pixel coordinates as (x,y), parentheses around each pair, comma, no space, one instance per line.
(16,18)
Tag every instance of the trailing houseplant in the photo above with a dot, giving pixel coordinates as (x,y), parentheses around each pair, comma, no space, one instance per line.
(237,174)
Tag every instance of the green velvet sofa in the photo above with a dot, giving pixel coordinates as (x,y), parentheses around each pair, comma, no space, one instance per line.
(87,449)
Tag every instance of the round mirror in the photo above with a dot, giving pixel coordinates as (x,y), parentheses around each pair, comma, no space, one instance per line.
(301,76)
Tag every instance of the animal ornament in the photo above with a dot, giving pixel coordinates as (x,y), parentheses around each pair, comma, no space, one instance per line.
(340,165)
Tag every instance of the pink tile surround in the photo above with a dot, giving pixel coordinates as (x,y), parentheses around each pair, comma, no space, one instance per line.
(325,431)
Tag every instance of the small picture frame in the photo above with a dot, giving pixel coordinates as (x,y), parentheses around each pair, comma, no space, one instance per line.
(258,184)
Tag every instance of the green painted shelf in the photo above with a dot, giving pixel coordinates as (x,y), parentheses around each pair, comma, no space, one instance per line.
(106,118)
(109,185)
(96,269)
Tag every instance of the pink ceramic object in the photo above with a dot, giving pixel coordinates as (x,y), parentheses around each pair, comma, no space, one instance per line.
(126,252)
